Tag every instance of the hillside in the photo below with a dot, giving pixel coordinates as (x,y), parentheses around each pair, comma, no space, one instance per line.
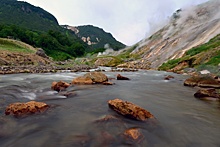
(95,37)
(40,29)
(187,28)
(13,53)
(203,56)
(27,16)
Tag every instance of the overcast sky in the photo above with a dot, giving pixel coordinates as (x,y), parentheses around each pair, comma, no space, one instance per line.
(128,21)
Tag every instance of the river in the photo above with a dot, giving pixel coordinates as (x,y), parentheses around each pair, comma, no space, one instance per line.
(182,120)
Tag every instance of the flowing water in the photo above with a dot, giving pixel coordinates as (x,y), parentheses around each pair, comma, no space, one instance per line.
(182,120)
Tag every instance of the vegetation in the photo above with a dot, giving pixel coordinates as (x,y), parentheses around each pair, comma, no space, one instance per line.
(35,26)
(56,44)
(213,43)
(205,55)
(26,15)
(15,46)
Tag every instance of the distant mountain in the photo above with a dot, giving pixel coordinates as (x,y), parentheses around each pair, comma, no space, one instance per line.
(96,37)
(188,28)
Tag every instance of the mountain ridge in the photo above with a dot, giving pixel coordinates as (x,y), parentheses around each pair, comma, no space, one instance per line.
(95,36)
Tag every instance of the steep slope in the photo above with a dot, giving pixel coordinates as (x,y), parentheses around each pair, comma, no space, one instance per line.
(187,28)
(26,15)
(201,57)
(96,37)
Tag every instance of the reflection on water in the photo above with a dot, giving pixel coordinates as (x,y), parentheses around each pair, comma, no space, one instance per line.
(182,120)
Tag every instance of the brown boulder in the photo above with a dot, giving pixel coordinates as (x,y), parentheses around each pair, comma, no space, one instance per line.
(133,135)
(21,109)
(202,81)
(204,93)
(97,77)
(120,77)
(59,86)
(91,78)
(129,110)
(82,80)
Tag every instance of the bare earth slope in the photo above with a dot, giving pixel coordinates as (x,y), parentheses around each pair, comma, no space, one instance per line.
(16,53)
(187,28)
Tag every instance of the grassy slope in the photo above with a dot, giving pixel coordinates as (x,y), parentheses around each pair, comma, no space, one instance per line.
(207,54)
(15,46)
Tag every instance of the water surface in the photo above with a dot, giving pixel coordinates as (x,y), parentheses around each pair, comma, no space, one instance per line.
(182,120)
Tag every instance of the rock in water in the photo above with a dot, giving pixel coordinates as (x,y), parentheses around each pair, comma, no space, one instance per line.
(91,78)
(129,110)
(82,80)
(169,77)
(133,135)
(21,109)
(108,83)
(204,93)
(120,77)
(202,81)
(58,86)
(97,77)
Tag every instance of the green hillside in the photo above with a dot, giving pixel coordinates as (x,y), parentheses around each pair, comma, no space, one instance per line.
(35,26)
(98,37)
(27,16)
(15,46)
(205,55)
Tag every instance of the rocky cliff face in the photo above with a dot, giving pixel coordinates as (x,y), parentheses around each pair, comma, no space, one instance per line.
(187,28)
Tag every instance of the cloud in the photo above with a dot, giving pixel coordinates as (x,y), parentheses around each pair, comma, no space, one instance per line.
(129,21)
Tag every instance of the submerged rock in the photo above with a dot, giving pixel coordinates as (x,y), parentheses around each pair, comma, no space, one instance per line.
(21,109)
(91,78)
(120,77)
(59,86)
(207,93)
(129,110)
(108,83)
(202,81)
(133,135)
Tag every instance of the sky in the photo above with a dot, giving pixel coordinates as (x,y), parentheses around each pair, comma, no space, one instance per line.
(128,21)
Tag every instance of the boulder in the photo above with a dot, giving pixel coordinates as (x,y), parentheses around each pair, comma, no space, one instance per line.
(169,77)
(41,52)
(120,77)
(97,77)
(129,110)
(202,81)
(133,135)
(82,80)
(91,78)
(59,86)
(204,93)
(21,109)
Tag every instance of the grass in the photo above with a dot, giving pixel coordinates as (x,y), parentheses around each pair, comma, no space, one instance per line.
(205,54)
(213,43)
(15,46)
